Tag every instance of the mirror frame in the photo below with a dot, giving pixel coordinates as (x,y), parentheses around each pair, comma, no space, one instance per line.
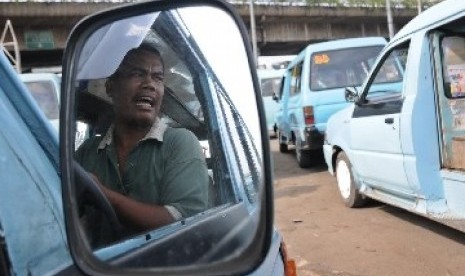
(254,254)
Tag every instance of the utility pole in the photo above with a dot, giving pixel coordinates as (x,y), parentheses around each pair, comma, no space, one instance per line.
(389,18)
(253,34)
(419,6)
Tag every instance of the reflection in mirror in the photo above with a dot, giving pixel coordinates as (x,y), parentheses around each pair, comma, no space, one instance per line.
(173,139)
(351,94)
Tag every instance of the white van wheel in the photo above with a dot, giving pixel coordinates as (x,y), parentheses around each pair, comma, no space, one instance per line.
(345,182)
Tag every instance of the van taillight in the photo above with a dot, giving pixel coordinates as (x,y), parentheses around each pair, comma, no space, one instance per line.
(308,115)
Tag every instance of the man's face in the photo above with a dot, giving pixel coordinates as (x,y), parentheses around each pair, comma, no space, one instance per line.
(137,88)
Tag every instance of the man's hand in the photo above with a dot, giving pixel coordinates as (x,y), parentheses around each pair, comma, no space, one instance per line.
(134,214)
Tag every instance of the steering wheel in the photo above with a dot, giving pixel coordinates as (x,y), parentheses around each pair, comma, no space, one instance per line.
(89,192)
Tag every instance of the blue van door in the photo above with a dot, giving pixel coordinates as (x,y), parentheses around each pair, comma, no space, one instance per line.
(375,127)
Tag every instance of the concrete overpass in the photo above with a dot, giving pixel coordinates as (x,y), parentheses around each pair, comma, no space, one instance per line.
(42,27)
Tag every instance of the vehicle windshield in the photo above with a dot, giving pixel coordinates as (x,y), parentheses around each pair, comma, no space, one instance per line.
(341,68)
(270,86)
(45,95)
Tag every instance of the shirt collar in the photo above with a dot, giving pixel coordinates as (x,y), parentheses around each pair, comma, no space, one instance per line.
(156,132)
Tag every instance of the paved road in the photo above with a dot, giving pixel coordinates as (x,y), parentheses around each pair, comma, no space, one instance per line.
(327,238)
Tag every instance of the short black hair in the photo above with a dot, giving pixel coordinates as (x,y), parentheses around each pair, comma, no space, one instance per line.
(142,47)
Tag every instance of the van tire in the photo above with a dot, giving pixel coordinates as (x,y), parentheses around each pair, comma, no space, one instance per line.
(346,184)
(303,157)
(283,148)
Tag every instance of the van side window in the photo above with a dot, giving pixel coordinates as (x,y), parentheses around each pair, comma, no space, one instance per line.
(388,80)
(281,87)
(453,53)
(296,79)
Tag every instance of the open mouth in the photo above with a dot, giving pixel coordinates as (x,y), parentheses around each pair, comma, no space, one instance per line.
(145,101)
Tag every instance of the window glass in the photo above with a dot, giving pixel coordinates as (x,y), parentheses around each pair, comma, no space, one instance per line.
(243,157)
(270,86)
(389,76)
(453,52)
(341,68)
(296,79)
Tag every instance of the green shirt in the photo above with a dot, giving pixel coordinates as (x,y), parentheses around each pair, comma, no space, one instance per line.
(166,168)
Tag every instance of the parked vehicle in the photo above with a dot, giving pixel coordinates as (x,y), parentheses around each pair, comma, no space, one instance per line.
(45,89)
(313,90)
(401,141)
(270,82)
(44,190)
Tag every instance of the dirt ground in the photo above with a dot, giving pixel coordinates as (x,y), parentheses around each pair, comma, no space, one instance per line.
(327,238)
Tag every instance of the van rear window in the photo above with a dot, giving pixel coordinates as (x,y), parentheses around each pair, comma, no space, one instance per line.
(270,86)
(341,68)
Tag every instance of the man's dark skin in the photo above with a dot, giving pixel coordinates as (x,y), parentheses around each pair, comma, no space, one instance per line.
(137,90)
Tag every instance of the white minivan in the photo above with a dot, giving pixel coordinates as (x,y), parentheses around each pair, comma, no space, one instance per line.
(402,140)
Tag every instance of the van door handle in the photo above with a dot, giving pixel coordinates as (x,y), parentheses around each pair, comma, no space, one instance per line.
(389,120)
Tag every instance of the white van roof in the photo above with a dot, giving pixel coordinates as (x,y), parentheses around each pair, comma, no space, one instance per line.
(270,73)
(39,77)
(439,14)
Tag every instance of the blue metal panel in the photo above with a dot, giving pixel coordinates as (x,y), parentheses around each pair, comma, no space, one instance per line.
(31,214)
(273,263)
(419,133)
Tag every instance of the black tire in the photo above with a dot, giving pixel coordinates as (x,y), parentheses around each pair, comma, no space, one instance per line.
(346,184)
(283,148)
(304,158)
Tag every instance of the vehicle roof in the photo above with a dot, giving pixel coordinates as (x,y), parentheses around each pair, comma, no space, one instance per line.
(270,73)
(346,43)
(39,76)
(442,12)
(339,44)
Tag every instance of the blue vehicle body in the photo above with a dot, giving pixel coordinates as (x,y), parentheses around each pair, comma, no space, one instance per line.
(313,90)
(402,140)
(31,213)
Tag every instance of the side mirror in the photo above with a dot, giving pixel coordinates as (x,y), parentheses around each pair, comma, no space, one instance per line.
(351,94)
(151,71)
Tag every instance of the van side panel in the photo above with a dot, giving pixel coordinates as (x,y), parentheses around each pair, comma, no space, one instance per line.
(31,215)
